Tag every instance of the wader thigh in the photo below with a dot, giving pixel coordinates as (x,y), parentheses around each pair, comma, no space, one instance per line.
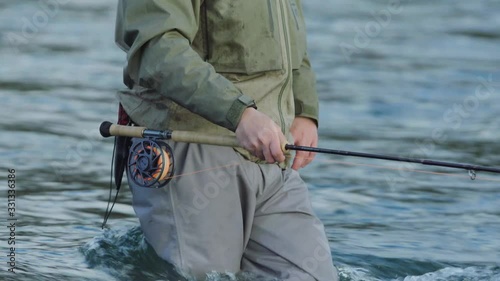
(196,222)
(287,240)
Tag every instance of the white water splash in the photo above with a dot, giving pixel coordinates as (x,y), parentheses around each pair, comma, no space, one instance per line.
(472,273)
(355,274)
(229,276)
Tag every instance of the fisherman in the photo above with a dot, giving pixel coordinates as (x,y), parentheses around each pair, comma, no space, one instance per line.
(227,67)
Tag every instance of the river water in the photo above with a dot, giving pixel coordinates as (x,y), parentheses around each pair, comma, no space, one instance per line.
(411,78)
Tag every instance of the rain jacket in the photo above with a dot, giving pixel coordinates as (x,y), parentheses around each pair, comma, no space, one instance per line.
(197,65)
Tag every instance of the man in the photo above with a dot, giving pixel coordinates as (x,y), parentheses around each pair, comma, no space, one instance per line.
(227,67)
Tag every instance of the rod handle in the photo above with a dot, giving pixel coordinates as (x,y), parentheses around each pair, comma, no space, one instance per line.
(193,137)
(108,129)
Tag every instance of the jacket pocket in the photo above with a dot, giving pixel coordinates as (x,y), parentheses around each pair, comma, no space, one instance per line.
(297,29)
(242,36)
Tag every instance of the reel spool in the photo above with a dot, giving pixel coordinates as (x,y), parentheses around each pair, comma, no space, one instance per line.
(150,163)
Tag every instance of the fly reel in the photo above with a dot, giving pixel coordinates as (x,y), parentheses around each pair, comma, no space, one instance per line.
(150,163)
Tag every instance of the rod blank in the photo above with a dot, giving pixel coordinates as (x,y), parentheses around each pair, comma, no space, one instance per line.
(470,167)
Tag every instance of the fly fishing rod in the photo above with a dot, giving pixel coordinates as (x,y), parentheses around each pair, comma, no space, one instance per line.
(151,161)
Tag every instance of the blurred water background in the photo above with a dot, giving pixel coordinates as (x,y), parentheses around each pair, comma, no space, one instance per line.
(414,78)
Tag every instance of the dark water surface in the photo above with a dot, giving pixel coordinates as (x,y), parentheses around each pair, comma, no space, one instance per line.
(415,78)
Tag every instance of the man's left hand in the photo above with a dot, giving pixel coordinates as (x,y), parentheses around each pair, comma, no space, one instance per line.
(305,133)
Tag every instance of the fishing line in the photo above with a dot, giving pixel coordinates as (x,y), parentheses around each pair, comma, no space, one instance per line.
(203,170)
(346,163)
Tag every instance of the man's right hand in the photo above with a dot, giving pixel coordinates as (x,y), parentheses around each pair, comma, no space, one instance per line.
(258,134)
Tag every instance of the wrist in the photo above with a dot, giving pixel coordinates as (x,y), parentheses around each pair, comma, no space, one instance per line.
(238,108)
(306,119)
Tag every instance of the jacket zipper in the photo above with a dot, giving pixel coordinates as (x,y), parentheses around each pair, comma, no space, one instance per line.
(283,28)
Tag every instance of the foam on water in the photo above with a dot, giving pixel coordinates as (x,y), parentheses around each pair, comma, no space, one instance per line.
(472,273)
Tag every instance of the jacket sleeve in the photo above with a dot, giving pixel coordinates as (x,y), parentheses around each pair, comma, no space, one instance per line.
(157,36)
(304,90)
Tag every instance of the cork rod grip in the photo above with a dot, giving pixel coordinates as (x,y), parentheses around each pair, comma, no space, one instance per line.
(108,129)
(192,137)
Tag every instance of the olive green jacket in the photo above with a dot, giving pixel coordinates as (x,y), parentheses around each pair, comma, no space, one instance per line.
(197,65)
